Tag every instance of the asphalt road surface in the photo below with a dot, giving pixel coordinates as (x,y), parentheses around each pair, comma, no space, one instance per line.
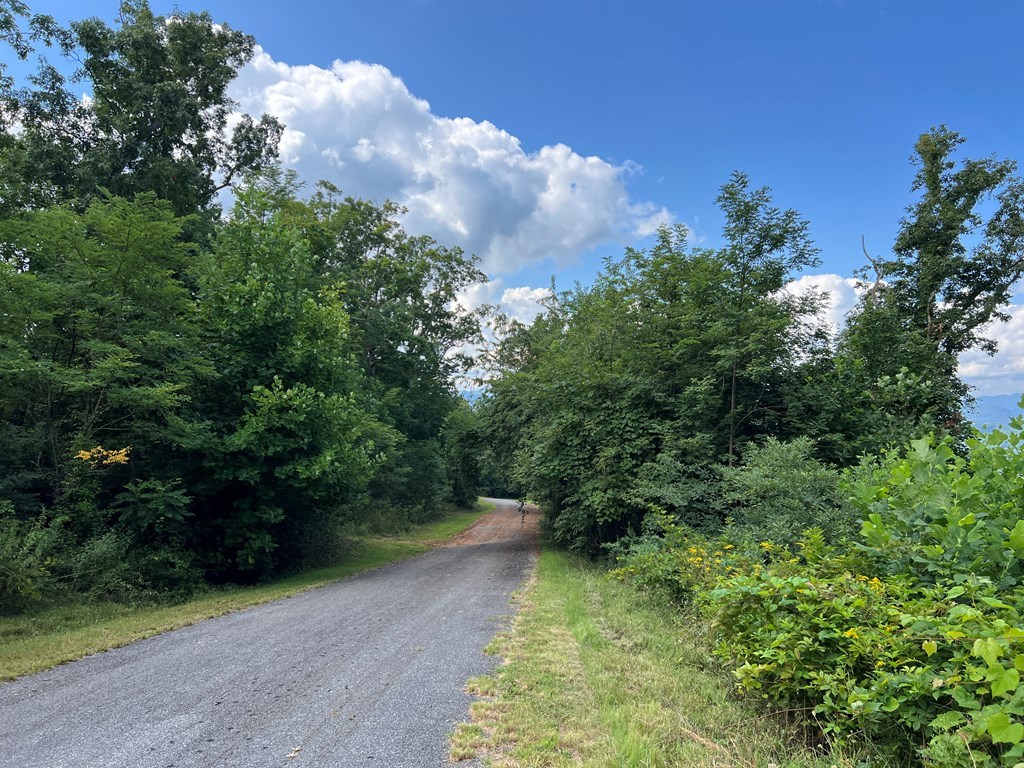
(365,672)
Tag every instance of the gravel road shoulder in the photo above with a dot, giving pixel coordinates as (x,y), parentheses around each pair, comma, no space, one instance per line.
(367,671)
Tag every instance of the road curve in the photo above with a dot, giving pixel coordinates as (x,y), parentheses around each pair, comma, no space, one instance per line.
(364,672)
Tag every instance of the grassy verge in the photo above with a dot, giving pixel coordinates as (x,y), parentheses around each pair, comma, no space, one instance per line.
(38,641)
(596,676)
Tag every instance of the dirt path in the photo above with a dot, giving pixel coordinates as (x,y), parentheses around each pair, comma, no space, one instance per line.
(503,527)
(368,671)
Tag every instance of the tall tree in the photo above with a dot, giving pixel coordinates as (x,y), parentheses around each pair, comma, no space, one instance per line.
(957,257)
(764,247)
(946,288)
(157,118)
(98,354)
(289,439)
(409,329)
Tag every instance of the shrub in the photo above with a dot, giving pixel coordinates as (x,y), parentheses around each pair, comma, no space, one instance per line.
(678,562)
(912,634)
(781,490)
(25,576)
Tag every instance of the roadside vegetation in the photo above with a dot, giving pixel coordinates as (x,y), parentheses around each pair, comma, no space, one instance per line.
(595,673)
(197,403)
(815,501)
(192,398)
(46,637)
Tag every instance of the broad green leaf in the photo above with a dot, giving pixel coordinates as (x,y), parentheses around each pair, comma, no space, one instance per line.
(1003,731)
(947,720)
(989,649)
(1017,537)
(1006,682)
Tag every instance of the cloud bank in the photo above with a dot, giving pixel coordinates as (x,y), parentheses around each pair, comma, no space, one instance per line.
(1002,373)
(464,182)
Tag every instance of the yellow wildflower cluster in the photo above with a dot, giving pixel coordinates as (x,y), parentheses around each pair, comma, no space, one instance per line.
(100,456)
(697,557)
(874,584)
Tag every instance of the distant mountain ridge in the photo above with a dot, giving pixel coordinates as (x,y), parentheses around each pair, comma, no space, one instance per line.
(991,411)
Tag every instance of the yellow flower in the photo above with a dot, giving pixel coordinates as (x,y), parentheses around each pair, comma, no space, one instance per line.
(100,455)
(728,546)
(851,632)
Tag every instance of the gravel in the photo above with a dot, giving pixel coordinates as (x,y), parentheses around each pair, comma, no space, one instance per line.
(365,672)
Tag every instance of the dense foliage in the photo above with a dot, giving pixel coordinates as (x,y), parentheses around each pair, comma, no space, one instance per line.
(646,388)
(186,397)
(819,497)
(907,632)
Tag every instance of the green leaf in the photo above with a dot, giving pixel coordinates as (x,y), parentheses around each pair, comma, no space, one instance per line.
(947,720)
(964,698)
(989,649)
(1006,682)
(991,601)
(1017,537)
(929,646)
(1003,731)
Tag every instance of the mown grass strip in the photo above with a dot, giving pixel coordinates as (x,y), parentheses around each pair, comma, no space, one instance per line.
(38,641)
(595,675)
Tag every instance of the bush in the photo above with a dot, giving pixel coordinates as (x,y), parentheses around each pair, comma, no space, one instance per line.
(781,490)
(678,562)
(912,634)
(25,576)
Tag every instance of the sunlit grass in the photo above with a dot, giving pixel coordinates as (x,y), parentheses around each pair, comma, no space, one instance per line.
(597,676)
(37,641)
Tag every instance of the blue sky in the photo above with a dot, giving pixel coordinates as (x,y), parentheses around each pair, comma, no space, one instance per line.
(587,123)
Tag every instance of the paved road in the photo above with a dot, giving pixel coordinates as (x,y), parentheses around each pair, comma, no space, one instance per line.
(365,672)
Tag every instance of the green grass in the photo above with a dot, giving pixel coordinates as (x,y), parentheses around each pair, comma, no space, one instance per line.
(595,675)
(44,639)
(451,524)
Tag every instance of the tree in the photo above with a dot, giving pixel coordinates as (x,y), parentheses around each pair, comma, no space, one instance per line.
(952,273)
(408,329)
(289,438)
(98,354)
(624,396)
(946,291)
(157,117)
(764,247)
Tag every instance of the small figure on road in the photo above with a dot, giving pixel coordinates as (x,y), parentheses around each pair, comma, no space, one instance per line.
(521,505)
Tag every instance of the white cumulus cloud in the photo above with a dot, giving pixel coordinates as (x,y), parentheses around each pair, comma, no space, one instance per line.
(522,303)
(464,182)
(1002,373)
(841,295)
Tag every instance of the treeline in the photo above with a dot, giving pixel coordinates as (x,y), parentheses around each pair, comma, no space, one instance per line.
(819,498)
(187,397)
(637,390)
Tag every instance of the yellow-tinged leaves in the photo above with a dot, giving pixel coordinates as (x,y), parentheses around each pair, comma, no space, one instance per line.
(100,456)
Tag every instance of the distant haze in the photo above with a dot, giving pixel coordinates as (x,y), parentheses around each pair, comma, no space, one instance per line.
(992,411)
